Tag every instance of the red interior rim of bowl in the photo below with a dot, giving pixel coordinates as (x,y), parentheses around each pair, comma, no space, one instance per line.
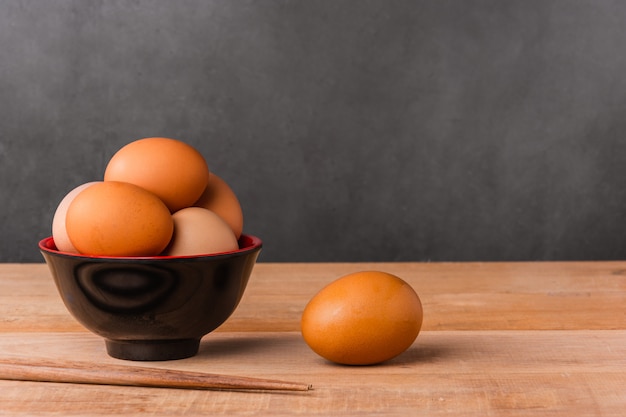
(247,243)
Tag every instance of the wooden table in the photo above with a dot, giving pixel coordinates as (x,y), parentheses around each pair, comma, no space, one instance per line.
(511,339)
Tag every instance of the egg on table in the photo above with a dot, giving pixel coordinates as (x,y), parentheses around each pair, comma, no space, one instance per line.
(362,318)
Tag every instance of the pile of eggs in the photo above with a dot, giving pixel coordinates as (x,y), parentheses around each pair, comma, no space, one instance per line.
(157,198)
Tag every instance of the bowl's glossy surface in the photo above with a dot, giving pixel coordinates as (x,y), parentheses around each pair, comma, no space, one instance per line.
(152,308)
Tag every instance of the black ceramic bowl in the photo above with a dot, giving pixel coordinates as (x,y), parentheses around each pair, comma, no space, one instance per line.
(152,308)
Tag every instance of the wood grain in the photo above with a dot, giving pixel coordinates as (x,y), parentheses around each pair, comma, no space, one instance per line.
(499,339)
(456,296)
(478,372)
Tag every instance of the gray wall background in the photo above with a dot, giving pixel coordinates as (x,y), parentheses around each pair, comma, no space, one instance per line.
(351,130)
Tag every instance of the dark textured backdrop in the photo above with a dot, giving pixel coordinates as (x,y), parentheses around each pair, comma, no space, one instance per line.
(351,130)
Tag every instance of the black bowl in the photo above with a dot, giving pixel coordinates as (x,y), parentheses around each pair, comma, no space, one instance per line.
(152,308)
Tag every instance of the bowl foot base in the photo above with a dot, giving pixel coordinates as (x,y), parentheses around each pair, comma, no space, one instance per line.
(152,350)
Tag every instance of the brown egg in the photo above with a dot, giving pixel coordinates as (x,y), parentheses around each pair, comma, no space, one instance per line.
(198,231)
(362,318)
(221,200)
(114,218)
(173,170)
(59,233)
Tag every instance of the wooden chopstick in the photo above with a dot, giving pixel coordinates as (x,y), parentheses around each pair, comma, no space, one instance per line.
(42,370)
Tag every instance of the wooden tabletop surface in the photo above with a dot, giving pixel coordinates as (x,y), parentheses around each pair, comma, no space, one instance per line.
(498,339)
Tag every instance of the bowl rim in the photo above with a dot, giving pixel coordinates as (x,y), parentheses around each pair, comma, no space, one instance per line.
(254,243)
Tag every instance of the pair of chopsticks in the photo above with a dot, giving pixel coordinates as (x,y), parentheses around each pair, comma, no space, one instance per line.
(42,370)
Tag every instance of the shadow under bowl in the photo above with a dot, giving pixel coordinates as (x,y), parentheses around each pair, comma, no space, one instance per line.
(152,308)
